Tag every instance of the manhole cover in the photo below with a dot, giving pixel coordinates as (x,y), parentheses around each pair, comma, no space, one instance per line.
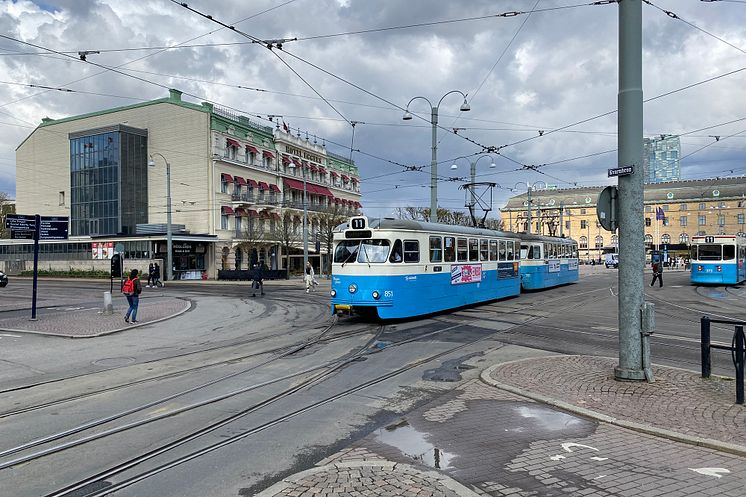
(114,361)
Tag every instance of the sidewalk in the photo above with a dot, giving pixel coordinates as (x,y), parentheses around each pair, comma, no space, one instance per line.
(504,435)
(87,322)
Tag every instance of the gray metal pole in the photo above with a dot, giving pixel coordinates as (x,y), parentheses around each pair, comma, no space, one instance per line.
(305,222)
(169,233)
(473,172)
(529,210)
(434,168)
(631,228)
(562,226)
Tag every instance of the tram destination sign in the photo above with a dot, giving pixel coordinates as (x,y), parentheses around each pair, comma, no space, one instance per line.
(50,228)
(621,171)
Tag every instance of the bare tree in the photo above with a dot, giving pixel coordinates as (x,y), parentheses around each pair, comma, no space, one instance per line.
(285,233)
(329,218)
(5,208)
(253,235)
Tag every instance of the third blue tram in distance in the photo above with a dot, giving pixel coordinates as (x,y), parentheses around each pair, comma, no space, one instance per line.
(547,261)
(718,259)
(393,268)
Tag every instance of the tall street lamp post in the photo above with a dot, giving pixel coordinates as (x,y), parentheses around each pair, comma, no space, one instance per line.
(169,234)
(473,170)
(292,166)
(434,161)
(529,188)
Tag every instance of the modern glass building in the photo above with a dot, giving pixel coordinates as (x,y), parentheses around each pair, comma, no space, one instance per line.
(660,159)
(108,181)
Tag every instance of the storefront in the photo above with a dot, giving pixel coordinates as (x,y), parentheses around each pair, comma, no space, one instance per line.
(189,258)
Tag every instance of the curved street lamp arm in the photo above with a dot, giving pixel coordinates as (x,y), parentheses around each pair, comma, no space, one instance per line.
(415,98)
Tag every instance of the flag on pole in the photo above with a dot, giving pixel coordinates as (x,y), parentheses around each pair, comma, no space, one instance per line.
(660,215)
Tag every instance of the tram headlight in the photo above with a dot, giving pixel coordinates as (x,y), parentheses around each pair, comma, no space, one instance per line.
(333,293)
(376,295)
(352,288)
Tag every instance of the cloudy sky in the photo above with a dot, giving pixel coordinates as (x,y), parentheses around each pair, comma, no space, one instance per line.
(525,75)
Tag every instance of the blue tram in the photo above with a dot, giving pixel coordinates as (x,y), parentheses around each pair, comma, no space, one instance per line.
(718,259)
(398,268)
(547,261)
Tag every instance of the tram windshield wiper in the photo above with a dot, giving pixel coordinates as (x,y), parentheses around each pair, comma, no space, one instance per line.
(351,256)
(365,251)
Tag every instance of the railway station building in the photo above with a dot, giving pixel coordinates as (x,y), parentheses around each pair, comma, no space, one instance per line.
(684,209)
(236,190)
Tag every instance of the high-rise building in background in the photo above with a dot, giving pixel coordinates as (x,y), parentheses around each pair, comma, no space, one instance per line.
(660,159)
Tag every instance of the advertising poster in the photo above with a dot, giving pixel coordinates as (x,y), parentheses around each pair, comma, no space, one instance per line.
(554,266)
(572,265)
(102,250)
(466,273)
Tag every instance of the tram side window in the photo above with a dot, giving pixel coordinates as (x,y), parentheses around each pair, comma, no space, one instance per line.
(537,252)
(411,251)
(729,252)
(346,251)
(450,249)
(525,251)
(396,252)
(484,252)
(503,251)
(493,250)
(473,249)
(373,251)
(511,249)
(436,249)
(462,252)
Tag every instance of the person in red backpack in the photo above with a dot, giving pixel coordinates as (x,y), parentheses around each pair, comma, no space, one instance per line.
(132,289)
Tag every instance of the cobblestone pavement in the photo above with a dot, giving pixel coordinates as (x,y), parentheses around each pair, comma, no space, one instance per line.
(680,401)
(88,322)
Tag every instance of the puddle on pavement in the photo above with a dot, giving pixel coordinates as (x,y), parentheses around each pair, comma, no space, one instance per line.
(413,444)
(548,419)
(713,293)
(450,370)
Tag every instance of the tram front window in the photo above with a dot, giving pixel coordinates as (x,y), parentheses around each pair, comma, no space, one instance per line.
(346,251)
(709,252)
(373,251)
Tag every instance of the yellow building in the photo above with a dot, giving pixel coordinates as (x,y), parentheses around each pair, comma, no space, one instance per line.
(690,207)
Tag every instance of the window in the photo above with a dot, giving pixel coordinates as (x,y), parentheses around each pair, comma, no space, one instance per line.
(665,207)
(683,220)
(502,253)
(649,239)
(722,205)
(648,208)
(223,185)
(583,242)
(666,221)
(682,207)
(709,252)
(647,221)
(599,242)
(729,252)
(411,251)
(665,238)
(224,222)
(346,251)
(567,225)
(374,251)
(683,238)
(230,149)
(511,249)
(582,211)
(583,224)
(721,220)
(436,249)
(238,226)
(449,250)
(702,206)
(493,250)
(462,252)
(473,249)
(62,198)
(740,219)
(484,252)
(701,220)
(396,252)
(615,240)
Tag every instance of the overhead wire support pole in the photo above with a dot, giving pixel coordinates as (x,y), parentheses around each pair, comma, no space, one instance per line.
(631,230)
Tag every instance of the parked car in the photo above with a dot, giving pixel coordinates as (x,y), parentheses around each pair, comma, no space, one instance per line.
(612,260)
(3,280)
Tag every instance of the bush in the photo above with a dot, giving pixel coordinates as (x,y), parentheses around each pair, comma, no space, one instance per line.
(71,273)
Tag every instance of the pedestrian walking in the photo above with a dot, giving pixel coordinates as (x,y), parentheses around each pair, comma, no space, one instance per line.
(310,277)
(657,274)
(132,289)
(151,275)
(257,282)
(157,275)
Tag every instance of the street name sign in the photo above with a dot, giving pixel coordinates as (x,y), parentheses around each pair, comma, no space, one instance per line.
(621,171)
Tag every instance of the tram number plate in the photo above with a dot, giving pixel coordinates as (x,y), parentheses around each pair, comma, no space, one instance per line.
(709,239)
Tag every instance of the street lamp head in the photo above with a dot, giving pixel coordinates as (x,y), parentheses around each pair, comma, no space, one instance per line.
(493,165)
(465,106)
(407,116)
(454,167)
(151,162)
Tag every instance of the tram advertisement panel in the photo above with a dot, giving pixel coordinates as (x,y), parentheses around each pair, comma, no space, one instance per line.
(466,273)
(572,265)
(554,266)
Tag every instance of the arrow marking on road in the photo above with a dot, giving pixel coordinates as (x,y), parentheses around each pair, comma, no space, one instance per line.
(557,457)
(711,471)
(569,445)
(596,458)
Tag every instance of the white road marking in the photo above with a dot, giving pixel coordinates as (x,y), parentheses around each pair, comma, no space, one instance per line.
(596,458)
(711,471)
(599,477)
(9,335)
(569,445)
(557,457)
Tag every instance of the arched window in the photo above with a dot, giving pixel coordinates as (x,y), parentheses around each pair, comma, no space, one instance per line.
(683,238)
(648,239)
(665,238)
(615,240)
(599,242)
(583,242)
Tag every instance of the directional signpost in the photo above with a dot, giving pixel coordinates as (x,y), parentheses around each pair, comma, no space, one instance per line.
(23,227)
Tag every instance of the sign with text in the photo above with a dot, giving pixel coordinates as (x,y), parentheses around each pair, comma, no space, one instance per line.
(466,273)
(554,266)
(621,171)
(50,228)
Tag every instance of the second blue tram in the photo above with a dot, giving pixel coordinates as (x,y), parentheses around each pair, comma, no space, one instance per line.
(718,259)
(398,268)
(547,261)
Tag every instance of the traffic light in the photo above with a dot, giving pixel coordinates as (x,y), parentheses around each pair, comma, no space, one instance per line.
(116,266)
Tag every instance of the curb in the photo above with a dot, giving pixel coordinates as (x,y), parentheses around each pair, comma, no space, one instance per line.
(386,466)
(708,443)
(103,333)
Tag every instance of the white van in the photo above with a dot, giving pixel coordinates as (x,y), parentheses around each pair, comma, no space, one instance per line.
(612,260)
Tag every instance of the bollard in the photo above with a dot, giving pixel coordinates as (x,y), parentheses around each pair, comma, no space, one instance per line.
(704,328)
(739,364)
(108,306)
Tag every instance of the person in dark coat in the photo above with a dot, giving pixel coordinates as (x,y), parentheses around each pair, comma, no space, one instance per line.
(657,273)
(257,282)
(151,275)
